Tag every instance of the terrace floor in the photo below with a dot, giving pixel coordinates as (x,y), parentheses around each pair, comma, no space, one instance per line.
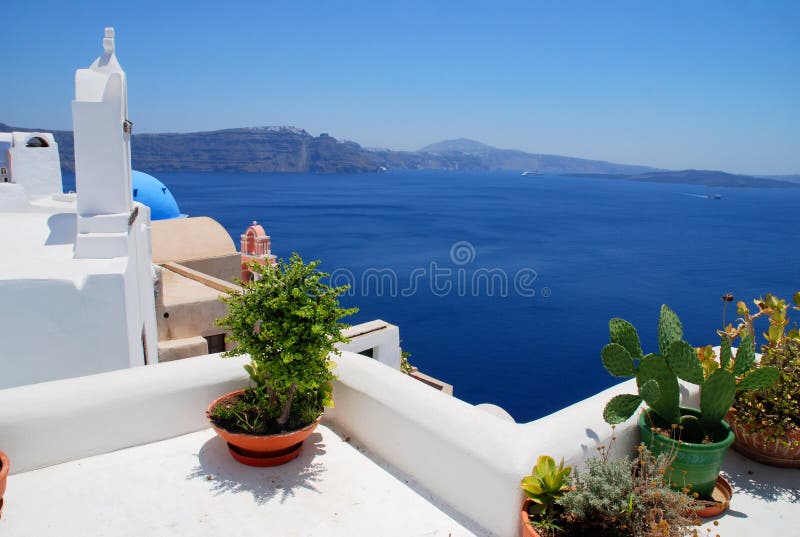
(190,485)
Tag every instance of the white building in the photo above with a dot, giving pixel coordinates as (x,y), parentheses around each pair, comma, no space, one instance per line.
(76,282)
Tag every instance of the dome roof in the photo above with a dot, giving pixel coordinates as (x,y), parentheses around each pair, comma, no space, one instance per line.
(153,193)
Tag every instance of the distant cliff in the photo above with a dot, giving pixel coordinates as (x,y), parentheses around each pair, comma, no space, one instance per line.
(701,177)
(289,149)
(293,150)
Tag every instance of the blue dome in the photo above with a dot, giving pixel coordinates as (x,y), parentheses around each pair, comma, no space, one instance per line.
(153,193)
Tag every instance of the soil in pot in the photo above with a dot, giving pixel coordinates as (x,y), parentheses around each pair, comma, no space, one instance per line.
(259,449)
(696,464)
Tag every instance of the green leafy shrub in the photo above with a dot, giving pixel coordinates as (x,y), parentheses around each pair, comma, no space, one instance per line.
(774,412)
(624,497)
(611,497)
(287,321)
(657,378)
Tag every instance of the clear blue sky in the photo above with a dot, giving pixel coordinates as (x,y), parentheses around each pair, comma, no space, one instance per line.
(683,84)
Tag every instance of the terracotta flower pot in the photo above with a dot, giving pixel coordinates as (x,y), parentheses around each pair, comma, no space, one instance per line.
(5,466)
(261,450)
(528,529)
(783,451)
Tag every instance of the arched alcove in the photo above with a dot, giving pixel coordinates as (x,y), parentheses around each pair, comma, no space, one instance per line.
(36,141)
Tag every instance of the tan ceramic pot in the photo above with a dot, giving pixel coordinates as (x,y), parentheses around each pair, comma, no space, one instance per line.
(261,450)
(5,466)
(784,452)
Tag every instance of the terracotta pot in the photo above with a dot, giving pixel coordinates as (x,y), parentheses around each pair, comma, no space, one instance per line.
(721,496)
(528,530)
(783,452)
(261,450)
(5,466)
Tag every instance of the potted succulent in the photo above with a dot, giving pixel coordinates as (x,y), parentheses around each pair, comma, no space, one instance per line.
(287,321)
(543,487)
(699,437)
(5,466)
(766,422)
(612,497)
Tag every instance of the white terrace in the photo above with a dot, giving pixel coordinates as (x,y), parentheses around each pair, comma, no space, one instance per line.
(129,452)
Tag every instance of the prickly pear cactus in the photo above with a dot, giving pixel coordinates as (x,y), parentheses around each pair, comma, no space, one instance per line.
(657,375)
(654,367)
(670,329)
(716,398)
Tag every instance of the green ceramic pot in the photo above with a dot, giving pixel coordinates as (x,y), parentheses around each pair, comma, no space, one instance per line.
(695,464)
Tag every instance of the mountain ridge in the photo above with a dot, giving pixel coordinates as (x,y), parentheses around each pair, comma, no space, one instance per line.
(290,149)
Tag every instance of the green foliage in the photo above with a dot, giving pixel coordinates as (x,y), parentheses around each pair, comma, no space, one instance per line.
(716,398)
(625,497)
(287,321)
(670,329)
(655,367)
(657,375)
(545,485)
(621,407)
(405,365)
(618,360)
(775,412)
(623,333)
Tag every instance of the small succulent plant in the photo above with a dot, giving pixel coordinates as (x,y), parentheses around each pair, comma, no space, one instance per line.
(657,375)
(545,485)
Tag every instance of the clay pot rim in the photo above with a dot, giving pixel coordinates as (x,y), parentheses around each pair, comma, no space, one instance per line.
(5,465)
(720,507)
(233,434)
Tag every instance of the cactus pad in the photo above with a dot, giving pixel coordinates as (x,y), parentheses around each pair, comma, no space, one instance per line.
(745,356)
(725,352)
(682,359)
(654,367)
(621,407)
(623,333)
(669,328)
(650,391)
(716,398)
(617,360)
(758,379)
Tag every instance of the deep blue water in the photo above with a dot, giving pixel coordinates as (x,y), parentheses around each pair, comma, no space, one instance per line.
(599,249)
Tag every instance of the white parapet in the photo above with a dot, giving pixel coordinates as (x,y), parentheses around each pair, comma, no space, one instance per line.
(377,339)
(34,163)
(468,459)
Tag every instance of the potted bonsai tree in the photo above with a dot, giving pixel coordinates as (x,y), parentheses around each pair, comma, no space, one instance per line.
(699,437)
(287,321)
(5,466)
(766,422)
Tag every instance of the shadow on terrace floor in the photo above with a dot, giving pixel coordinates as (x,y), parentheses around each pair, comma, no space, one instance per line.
(768,483)
(225,475)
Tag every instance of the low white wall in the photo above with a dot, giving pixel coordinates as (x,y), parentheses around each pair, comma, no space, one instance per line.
(467,458)
(53,422)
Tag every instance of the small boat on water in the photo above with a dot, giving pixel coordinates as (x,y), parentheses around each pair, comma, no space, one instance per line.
(527,173)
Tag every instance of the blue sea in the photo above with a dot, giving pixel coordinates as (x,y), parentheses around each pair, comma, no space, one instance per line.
(429,251)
